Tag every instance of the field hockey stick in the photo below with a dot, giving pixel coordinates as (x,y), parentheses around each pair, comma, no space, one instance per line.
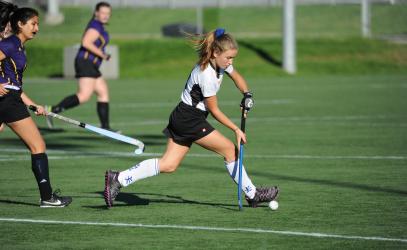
(246,104)
(97,130)
(241,149)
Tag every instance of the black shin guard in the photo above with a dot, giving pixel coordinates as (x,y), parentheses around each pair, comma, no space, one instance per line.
(39,164)
(103,113)
(67,103)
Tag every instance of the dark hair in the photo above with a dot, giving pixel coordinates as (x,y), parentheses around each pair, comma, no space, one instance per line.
(100,5)
(6,10)
(21,15)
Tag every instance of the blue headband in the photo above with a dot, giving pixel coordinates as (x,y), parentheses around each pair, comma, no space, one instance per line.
(219,32)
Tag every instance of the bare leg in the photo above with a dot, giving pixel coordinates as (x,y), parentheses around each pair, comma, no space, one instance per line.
(218,143)
(102,106)
(102,90)
(172,157)
(86,86)
(28,132)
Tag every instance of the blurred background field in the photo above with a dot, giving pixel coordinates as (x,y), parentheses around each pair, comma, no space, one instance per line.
(328,40)
(312,21)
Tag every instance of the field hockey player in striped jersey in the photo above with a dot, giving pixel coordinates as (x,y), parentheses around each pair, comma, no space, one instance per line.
(87,63)
(24,24)
(188,122)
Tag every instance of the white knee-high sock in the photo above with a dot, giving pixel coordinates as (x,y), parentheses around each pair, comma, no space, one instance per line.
(247,186)
(140,171)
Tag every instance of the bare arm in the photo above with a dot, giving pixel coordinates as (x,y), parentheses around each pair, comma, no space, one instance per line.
(3,91)
(27,101)
(2,56)
(88,40)
(212,105)
(239,81)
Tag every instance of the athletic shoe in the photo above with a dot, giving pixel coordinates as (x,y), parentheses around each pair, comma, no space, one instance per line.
(56,200)
(112,187)
(263,194)
(48,118)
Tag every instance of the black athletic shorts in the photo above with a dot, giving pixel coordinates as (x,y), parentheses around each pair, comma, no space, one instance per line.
(86,68)
(187,124)
(12,107)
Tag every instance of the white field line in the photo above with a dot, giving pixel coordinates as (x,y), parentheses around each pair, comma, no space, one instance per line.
(221,103)
(202,228)
(65,154)
(367,120)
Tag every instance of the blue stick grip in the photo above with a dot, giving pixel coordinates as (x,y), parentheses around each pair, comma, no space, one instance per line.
(239,191)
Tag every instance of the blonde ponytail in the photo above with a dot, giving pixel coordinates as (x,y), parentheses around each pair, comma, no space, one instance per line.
(207,44)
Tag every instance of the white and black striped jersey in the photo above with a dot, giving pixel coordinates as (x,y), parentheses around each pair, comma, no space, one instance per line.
(201,84)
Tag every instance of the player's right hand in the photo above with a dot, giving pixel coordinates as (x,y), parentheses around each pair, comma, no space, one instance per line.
(240,136)
(3,90)
(39,110)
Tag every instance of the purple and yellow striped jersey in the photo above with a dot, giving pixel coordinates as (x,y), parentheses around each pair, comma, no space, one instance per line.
(13,66)
(101,42)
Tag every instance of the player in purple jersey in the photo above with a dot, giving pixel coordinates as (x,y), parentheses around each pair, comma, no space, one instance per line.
(188,122)
(24,24)
(6,32)
(87,63)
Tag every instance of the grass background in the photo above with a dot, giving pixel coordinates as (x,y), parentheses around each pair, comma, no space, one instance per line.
(333,137)
(328,40)
(326,141)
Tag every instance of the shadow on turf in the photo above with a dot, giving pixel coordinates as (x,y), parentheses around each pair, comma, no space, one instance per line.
(279,177)
(18,203)
(152,140)
(133,199)
(45,131)
(148,139)
(51,144)
(261,53)
(339,184)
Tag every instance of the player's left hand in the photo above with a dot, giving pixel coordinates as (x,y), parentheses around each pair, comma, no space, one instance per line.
(247,102)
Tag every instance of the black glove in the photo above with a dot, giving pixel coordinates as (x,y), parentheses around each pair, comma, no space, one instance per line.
(247,101)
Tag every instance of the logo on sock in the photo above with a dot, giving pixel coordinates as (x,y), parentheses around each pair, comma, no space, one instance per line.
(129,179)
(134,167)
(43,181)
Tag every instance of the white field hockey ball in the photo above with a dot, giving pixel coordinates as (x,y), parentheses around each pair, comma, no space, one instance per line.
(273,205)
(138,151)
